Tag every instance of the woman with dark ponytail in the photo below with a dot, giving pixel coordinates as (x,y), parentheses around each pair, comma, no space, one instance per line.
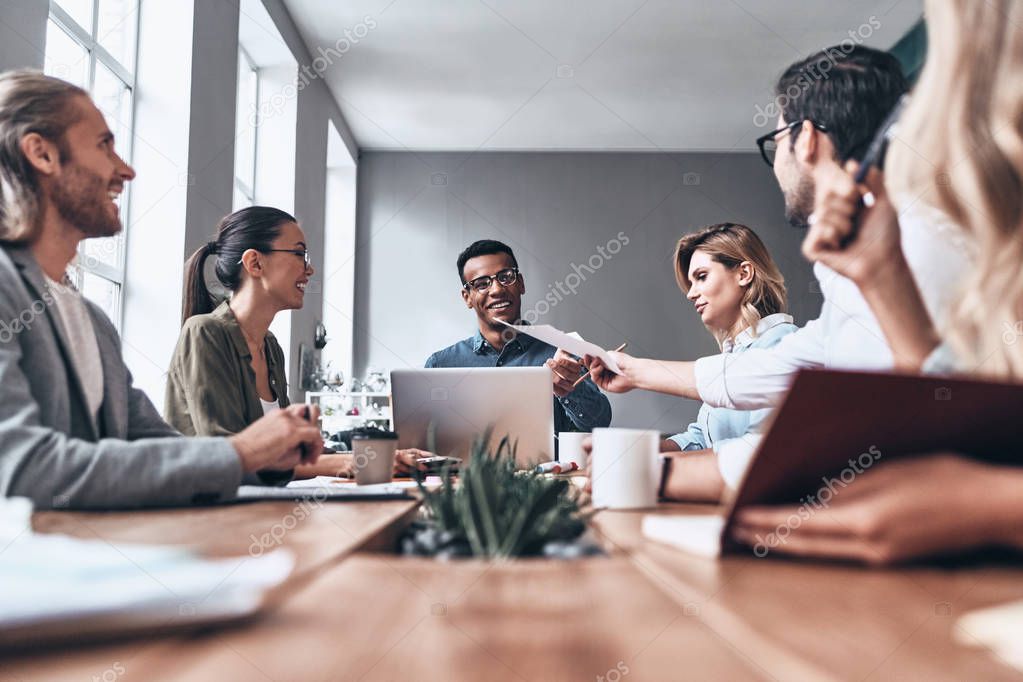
(228,369)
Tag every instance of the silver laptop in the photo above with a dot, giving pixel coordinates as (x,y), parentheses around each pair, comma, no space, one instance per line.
(461,403)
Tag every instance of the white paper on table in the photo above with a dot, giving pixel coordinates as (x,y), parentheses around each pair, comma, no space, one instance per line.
(572,343)
(998,628)
(695,534)
(98,586)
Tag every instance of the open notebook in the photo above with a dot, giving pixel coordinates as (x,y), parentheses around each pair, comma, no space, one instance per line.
(829,418)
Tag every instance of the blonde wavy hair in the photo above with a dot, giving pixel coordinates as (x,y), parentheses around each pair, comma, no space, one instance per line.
(960,148)
(731,245)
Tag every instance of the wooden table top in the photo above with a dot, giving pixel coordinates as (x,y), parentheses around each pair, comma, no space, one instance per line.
(816,620)
(645,612)
(317,532)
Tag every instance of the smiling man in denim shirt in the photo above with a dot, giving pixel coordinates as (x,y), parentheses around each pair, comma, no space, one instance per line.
(493,287)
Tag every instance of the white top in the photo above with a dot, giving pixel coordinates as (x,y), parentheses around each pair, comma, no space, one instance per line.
(846,335)
(269,406)
(83,347)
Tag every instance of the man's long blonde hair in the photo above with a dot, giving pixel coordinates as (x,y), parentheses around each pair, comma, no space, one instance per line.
(29,103)
(960,148)
(732,244)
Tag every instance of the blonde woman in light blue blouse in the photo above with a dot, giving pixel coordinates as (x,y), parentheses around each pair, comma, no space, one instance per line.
(726,272)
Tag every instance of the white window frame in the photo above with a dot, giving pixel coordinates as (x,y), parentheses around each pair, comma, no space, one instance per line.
(250,192)
(98,54)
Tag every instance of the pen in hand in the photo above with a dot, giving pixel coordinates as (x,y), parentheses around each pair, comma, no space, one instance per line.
(303,448)
(587,372)
(875,153)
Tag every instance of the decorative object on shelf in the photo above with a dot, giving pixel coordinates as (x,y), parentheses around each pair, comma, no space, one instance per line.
(376,380)
(343,410)
(499,512)
(333,379)
(320,336)
(308,368)
(324,379)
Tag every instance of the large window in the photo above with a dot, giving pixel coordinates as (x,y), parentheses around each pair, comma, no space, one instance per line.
(246,125)
(93,44)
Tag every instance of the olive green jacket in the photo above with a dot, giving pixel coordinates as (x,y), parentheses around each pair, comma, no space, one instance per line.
(211,387)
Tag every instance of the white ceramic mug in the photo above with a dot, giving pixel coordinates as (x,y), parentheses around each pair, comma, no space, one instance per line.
(625,468)
(570,448)
(373,458)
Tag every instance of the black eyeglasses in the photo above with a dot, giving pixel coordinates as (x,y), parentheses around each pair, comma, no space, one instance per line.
(505,278)
(768,143)
(301,253)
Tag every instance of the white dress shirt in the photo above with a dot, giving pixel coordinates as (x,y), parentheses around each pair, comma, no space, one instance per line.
(846,335)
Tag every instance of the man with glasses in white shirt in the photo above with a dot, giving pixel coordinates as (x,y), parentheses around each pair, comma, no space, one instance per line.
(831,105)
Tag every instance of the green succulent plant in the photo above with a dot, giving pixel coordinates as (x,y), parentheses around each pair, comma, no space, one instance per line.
(495,510)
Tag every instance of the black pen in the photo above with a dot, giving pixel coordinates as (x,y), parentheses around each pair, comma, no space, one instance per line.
(302,446)
(878,147)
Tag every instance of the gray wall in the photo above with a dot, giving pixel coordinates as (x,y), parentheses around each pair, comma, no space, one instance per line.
(22,33)
(212,118)
(416,211)
(316,109)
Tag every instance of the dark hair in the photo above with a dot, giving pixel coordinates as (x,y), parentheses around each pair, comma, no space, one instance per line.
(849,90)
(255,227)
(483,247)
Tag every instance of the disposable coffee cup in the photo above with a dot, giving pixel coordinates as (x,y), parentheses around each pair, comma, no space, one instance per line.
(624,471)
(570,449)
(373,457)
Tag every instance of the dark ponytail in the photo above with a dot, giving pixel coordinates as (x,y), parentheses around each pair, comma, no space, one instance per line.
(255,227)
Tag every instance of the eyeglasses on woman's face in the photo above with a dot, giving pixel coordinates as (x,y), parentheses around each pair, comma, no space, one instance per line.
(301,253)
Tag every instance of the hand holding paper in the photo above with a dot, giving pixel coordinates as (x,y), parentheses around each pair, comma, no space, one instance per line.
(573,343)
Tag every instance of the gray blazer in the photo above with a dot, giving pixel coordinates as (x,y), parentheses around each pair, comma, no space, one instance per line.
(51,452)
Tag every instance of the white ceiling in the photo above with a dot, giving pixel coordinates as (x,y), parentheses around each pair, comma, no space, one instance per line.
(574,74)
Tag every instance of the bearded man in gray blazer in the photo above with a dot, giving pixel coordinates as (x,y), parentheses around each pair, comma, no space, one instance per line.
(74,431)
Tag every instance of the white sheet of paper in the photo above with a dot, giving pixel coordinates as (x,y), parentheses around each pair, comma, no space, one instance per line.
(572,343)
(698,534)
(996,628)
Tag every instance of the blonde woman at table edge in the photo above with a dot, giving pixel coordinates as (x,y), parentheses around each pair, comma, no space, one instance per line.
(227,370)
(960,149)
(728,275)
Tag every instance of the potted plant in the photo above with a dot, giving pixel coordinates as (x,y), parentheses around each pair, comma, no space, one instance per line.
(498,512)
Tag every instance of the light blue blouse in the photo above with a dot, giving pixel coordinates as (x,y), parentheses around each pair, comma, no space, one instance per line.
(942,360)
(715,425)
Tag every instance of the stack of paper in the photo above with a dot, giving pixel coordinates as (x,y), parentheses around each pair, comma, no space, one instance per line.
(56,586)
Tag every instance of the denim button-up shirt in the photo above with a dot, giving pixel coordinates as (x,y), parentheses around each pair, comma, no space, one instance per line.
(715,425)
(583,409)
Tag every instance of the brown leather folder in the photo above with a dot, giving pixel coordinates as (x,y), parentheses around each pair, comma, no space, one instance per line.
(829,418)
